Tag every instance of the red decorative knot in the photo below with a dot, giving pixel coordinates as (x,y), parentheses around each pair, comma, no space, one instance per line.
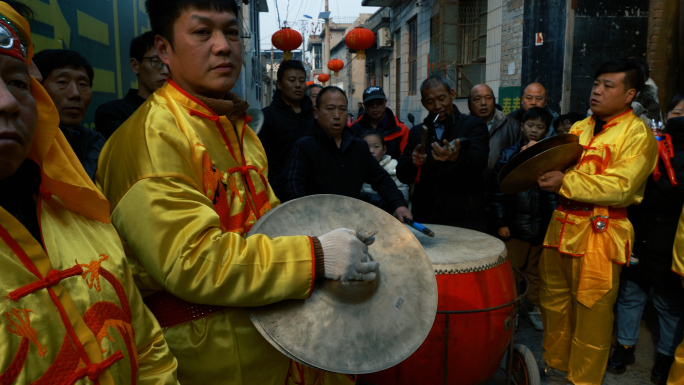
(45,193)
(51,279)
(93,371)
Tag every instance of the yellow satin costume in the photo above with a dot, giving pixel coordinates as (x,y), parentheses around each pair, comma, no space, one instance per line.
(70,312)
(676,376)
(580,265)
(183,201)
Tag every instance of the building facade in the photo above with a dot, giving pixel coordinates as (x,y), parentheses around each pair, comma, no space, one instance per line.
(509,44)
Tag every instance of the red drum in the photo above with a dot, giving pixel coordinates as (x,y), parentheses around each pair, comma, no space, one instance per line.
(467,341)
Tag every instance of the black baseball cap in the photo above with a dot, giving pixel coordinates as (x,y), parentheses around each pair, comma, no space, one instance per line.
(373,92)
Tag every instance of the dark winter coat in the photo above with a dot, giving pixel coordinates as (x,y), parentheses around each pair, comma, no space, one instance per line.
(527,214)
(395,133)
(317,166)
(110,115)
(87,145)
(449,193)
(282,127)
(655,219)
(505,132)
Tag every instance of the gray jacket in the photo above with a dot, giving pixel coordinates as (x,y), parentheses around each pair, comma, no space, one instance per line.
(504,132)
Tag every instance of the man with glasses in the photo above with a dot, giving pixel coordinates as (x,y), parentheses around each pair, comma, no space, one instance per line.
(380,118)
(151,73)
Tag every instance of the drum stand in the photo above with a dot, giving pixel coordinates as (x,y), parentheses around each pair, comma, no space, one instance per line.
(521,366)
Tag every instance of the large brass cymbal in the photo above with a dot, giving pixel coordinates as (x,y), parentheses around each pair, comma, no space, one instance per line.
(352,327)
(556,153)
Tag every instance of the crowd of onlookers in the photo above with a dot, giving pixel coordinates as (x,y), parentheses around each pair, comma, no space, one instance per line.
(443,170)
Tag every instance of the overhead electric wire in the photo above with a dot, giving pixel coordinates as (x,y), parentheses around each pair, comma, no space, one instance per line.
(278,12)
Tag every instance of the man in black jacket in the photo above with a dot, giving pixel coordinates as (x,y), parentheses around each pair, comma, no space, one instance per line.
(68,79)
(330,160)
(380,118)
(151,74)
(287,119)
(449,182)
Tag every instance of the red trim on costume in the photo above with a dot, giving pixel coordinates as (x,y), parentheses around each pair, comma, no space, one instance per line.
(187,95)
(93,371)
(560,239)
(53,277)
(676,272)
(26,261)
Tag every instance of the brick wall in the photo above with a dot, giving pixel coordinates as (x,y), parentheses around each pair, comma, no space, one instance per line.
(511,42)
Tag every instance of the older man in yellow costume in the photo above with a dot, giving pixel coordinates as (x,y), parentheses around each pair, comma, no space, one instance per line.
(187,179)
(70,311)
(589,236)
(676,376)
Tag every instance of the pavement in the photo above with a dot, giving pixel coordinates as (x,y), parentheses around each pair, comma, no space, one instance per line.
(637,374)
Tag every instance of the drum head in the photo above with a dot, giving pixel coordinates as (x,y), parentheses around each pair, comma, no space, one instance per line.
(352,327)
(455,250)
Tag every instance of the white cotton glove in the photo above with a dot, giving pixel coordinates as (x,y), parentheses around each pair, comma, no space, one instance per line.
(345,255)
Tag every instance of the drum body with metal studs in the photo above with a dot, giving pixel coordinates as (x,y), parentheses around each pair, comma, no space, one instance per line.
(476,290)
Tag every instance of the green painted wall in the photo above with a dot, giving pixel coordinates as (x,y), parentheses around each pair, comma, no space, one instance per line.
(101,30)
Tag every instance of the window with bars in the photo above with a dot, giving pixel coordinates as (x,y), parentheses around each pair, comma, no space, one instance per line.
(413,56)
(458,43)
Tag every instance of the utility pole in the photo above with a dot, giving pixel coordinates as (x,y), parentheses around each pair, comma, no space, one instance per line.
(326,59)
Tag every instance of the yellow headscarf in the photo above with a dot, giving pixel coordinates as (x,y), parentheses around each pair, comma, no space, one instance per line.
(62,172)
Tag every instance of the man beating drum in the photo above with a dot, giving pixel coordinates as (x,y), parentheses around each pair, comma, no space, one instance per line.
(589,236)
(187,179)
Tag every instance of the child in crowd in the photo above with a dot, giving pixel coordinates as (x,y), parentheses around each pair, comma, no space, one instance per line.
(377,147)
(563,123)
(522,218)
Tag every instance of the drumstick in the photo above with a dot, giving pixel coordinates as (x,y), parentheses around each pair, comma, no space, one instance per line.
(419,227)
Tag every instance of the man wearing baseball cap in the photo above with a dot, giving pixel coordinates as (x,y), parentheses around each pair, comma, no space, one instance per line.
(380,118)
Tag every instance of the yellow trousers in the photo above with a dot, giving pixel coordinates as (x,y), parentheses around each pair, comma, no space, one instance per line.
(676,376)
(525,257)
(576,338)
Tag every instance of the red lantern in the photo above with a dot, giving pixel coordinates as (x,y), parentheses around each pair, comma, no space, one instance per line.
(360,39)
(323,78)
(286,40)
(336,65)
